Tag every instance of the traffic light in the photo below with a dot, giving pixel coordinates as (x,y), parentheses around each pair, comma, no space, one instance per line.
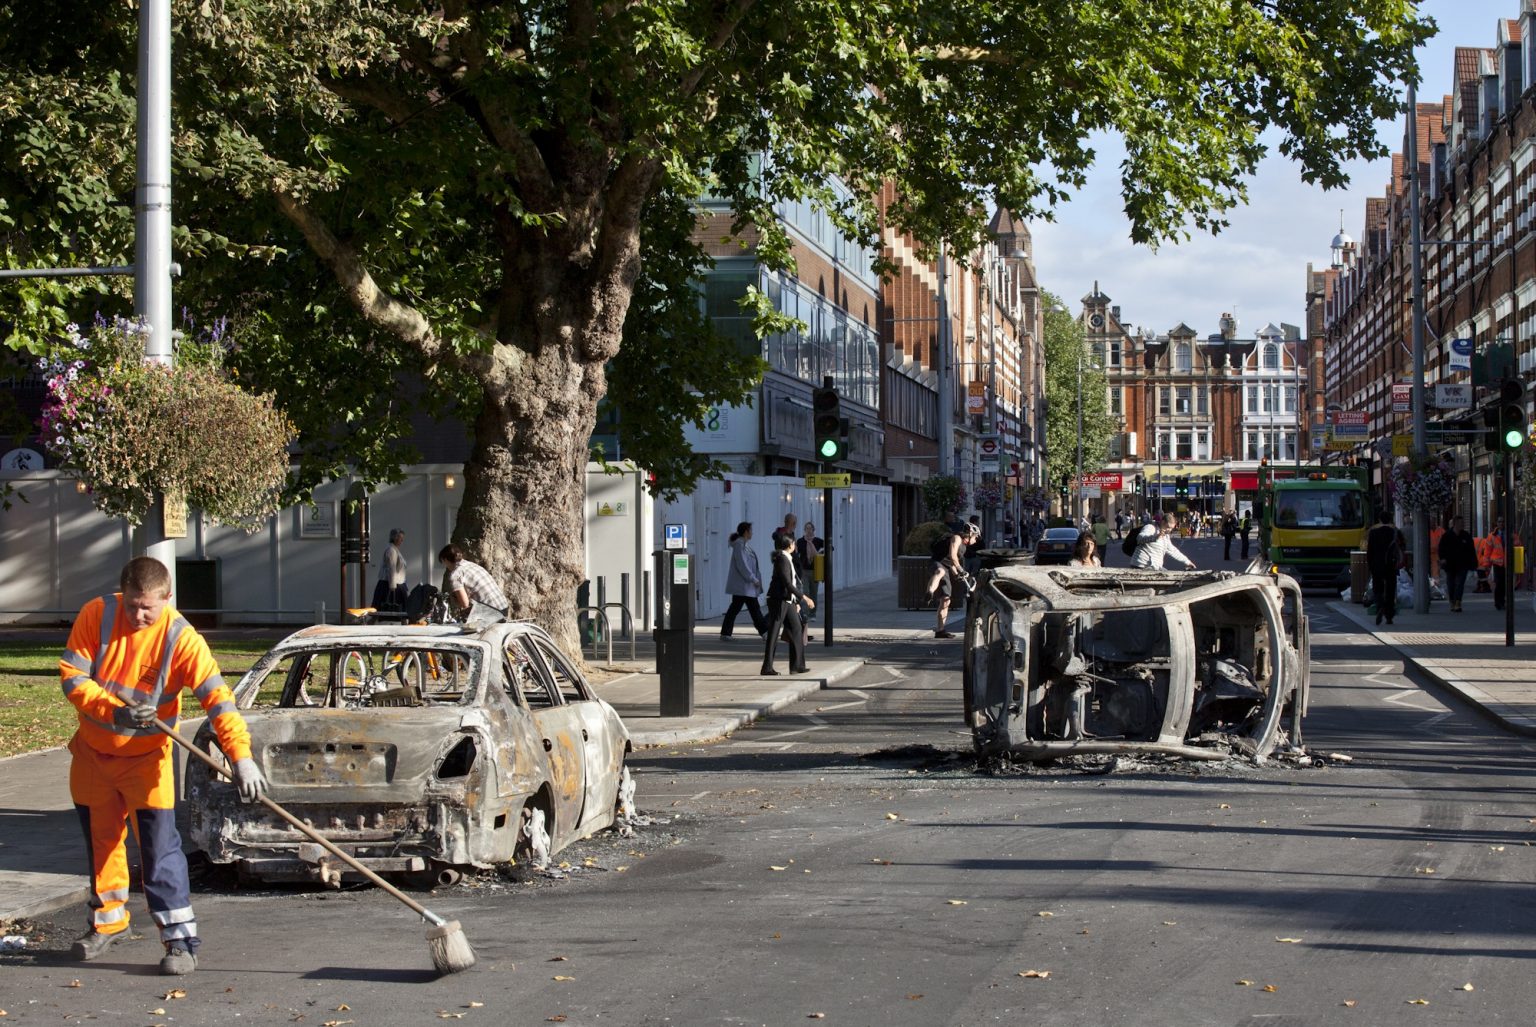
(827,417)
(1181,486)
(1139,485)
(1512,419)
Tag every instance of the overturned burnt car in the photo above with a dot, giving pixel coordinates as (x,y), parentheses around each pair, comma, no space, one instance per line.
(419,750)
(1200,664)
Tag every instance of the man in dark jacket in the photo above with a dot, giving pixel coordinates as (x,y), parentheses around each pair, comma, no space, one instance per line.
(1228,530)
(1246,528)
(1383,556)
(1458,555)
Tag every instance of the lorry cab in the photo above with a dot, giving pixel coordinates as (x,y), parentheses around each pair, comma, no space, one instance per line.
(1311,518)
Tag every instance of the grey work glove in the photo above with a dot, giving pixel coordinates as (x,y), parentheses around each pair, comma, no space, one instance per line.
(248,780)
(135,716)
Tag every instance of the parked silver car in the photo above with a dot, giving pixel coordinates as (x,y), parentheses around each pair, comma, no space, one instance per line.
(420,750)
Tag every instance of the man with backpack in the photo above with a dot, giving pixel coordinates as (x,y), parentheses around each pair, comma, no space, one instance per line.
(1152,543)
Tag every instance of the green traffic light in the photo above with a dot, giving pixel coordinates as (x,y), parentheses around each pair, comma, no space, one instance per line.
(1514,438)
(828,448)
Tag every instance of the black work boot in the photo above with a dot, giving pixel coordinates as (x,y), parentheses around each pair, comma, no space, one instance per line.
(178,960)
(92,944)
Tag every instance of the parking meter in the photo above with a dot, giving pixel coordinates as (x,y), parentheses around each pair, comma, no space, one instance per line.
(673,632)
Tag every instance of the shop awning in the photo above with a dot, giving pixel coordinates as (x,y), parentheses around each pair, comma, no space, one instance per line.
(1245,481)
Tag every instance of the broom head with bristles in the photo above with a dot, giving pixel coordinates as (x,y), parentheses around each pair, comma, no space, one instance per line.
(451,951)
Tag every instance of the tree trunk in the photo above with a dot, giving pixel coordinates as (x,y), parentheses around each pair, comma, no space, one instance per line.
(523,516)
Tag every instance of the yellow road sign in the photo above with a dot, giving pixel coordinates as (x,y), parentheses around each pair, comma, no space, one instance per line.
(828,481)
(1402,445)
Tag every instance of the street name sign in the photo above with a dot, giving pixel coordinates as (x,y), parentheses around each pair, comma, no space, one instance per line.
(828,481)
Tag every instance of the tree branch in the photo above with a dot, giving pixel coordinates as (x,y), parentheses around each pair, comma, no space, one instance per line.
(722,35)
(376,306)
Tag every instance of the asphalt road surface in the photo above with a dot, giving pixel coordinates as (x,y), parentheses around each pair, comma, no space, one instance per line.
(846,861)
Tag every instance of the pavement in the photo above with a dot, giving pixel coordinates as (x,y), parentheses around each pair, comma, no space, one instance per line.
(1466,653)
(42,857)
(41,853)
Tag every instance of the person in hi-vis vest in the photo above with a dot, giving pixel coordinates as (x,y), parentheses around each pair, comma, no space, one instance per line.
(129,656)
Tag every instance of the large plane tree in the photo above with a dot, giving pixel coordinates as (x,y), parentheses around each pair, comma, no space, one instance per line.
(489,207)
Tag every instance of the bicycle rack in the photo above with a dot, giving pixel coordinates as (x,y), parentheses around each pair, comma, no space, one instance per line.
(604,632)
(626,627)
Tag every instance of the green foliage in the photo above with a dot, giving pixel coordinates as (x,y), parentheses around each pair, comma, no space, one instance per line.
(132,429)
(919,541)
(943,494)
(487,209)
(1065,352)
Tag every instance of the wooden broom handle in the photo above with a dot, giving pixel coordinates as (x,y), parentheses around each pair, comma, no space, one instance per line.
(309,832)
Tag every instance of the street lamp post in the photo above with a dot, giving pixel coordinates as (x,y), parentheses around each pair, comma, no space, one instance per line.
(1077,506)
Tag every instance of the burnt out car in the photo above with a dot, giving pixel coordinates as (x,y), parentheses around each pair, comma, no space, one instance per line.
(419,750)
(1202,664)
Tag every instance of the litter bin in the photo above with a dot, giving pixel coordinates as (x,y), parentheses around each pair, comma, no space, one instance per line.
(1359,576)
(912,573)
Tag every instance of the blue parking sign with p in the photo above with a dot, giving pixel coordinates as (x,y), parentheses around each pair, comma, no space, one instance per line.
(674,536)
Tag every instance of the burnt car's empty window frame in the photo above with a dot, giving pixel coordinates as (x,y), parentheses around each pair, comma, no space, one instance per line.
(525,681)
(360,676)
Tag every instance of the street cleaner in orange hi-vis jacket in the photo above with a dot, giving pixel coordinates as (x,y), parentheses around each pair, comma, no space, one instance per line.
(129,656)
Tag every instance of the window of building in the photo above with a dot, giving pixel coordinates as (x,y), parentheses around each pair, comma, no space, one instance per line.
(1114,352)
(1271,357)
(1164,400)
(1163,450)
(1182,358)
(1116,401)
(1202,445)
(1253,399)
(1181,396)
(1271,399)
(1203,400)
(1186,446)
(1290,399)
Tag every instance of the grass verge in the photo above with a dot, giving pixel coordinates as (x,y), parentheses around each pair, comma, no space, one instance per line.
(33,711)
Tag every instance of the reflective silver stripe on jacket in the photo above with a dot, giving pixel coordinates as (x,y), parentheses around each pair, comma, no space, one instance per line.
(131,732)
(76,661)
(172,635)
(208,687)
(108,618)
(102,918)
(115,895)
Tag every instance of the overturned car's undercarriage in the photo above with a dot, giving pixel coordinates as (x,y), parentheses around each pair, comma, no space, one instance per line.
(1204,664)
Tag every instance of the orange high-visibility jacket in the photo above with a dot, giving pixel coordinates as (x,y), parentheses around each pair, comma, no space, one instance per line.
(1495,549)
(107,665)
(1481,542)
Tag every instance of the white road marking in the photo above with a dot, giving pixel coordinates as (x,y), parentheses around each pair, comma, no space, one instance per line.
(788,734)
(841,705)
(1397,698)
(696,798)
(861,695)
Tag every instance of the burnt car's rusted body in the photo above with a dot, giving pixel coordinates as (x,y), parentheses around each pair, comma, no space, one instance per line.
(418,750)
(1202,664)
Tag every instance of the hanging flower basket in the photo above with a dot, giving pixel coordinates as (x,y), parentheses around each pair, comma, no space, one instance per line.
(988,495)
(1429,485)
(131,430)
(1035,499)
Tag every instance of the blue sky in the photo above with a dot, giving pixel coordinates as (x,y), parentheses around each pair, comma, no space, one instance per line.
(1257,266)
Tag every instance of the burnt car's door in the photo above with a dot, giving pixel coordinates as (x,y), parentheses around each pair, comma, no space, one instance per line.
(601,745)
(559,729)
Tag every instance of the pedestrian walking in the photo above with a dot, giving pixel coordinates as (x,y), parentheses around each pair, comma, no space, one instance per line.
(1383,557)
(807,548)
(1101,533)
(1244,529)
(784,602)
(1497,551)
(390,592)
(743,583)
(787,528)
(948,575)
(1458,555)
(1119,525)
(129,657)
(1155,542)
(1228,531)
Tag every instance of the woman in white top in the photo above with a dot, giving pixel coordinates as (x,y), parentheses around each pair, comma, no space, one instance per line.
(1086,552)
